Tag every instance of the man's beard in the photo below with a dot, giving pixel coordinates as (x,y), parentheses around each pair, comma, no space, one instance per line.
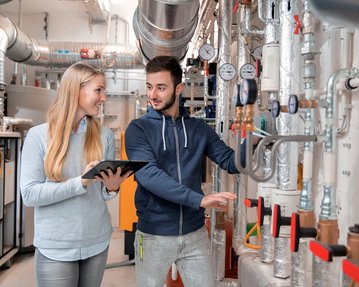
(168,104)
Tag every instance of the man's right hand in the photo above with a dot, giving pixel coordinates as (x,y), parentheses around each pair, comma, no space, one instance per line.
(217,200)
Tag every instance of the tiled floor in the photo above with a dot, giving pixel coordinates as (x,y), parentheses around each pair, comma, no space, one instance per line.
(21,272)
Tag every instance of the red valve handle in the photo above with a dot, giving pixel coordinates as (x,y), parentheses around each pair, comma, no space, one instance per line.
(351,269)
(262,211)
(278,220)
(250,202)
(327,251)
(298,24)
(297,232)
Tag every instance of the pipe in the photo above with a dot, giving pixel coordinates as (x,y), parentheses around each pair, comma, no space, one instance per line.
(222,90)
(165,27)
(328,205)
(240,211)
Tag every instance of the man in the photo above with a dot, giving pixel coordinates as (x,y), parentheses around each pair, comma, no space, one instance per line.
(169,201)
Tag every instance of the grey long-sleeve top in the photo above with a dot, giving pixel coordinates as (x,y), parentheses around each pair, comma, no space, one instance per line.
(66,214)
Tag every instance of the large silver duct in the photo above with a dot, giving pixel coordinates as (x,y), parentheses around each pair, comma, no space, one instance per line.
(19,47)
(165,27)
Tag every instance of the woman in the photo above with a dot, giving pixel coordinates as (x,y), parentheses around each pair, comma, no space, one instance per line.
(72,224)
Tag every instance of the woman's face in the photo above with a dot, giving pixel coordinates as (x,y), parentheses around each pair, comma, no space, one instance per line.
(92,95)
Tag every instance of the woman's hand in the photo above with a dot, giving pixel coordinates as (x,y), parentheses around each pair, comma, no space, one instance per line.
(86,182)
(111,180)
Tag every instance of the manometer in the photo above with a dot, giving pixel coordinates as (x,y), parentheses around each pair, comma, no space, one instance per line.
(275,109)
(247,71)
(206,52)
(293,104)
(227,71)
(237,98)
(248,91)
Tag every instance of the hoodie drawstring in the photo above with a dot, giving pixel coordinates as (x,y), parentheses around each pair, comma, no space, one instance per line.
(184,132)
(163,132)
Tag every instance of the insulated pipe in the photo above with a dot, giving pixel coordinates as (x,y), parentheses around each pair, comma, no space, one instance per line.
(165,27)
(287,124)
(328,204)
(21,48)
(222,89)
(240,211)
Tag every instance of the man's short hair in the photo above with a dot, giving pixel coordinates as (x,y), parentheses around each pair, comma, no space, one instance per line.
(166,63)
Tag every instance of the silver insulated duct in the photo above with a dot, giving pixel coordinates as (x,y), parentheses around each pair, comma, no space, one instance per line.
(165,27)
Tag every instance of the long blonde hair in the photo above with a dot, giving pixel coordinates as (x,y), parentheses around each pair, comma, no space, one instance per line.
(61,116)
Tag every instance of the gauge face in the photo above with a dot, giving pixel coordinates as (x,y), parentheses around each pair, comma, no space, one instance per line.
(206,52)
(247,71)
(248,91)
(275,109)
(227,71)
(257,53)
(293,104)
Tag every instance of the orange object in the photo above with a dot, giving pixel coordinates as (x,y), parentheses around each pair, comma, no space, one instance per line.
(127,197)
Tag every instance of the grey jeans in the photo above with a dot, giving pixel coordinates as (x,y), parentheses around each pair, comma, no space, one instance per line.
(81,273)
(154,255)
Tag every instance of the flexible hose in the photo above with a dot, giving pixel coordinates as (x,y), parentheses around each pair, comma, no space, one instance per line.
(246,238)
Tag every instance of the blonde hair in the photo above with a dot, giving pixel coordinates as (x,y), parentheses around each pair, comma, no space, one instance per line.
(61,116)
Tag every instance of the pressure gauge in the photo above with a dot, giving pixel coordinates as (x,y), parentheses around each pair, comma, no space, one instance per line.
(275,109)
(237,97)
(293,104)
(248,91)
(227,71)
(206,52)
(257,53)
(247,71)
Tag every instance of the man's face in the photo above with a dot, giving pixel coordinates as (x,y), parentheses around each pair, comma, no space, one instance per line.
(162,94)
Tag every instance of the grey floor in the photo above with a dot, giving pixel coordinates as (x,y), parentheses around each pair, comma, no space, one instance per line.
(21,272)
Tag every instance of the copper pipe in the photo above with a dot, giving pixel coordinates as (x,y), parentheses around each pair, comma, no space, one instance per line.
(306,218)
(353,246)
(328,231)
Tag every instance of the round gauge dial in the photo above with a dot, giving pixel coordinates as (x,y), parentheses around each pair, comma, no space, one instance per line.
(293,104)
(257,53)
(237,98)
(247,71)
(227,71)
(206,52)
(275,109)
(248,91)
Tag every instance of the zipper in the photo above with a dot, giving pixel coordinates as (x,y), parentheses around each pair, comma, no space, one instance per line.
(179,174)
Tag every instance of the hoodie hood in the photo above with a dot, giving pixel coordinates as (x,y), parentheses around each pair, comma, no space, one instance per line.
(153,114)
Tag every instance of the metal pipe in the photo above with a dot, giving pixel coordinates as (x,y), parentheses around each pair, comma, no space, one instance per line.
(165,27)
(328,205)
(222,88)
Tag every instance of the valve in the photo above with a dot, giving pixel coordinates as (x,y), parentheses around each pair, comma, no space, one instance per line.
(326,252)
(351,269)
(250,202)
(278,220)
(262,211)
(298,24)
(297,232)
(294,104)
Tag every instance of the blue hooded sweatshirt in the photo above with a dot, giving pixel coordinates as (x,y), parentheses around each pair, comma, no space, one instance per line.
(169,193)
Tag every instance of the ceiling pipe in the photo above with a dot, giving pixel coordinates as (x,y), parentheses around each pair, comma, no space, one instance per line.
(165,27)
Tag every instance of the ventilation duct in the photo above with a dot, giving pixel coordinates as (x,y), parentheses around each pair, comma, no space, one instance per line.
(165,27)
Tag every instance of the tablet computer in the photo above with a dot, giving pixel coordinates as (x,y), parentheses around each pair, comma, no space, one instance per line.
(125,165)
